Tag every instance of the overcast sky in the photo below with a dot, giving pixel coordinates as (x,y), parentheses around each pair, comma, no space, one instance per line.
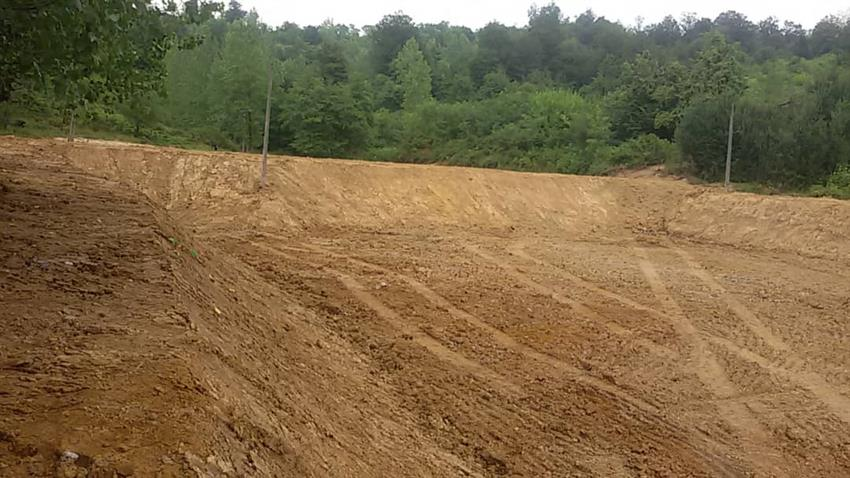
(477,13)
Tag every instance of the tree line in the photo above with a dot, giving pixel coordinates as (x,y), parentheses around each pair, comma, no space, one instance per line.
(574,95)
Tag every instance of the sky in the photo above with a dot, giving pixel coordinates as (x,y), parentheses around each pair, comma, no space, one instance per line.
(477,13)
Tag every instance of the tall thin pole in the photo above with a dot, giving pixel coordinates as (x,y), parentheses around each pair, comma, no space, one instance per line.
(727,182)
(250,133)
(264,168)
(71,125)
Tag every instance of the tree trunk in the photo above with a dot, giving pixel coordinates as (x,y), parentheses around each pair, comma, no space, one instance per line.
(264,166)
(728,177)
(71,126)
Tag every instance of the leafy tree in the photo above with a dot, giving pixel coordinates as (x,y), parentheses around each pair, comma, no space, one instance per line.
(495,52)
(413,75)
(785,136)
(325,120)
(650,98)
(237,84)
(717,71)
(453,66)
(330,58)
(494,83)
(388,37)
(736,28)
(98,49)
(234,12)
(569,130)
(665,33)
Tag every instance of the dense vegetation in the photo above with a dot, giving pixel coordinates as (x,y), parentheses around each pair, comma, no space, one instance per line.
(576,95)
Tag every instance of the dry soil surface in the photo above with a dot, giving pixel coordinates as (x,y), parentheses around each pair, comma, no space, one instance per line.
(163,318)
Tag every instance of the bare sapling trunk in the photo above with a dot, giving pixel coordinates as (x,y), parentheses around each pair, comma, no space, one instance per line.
(728,178)
(71,125)
(264,166)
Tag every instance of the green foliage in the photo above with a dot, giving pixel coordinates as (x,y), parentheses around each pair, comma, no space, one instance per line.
(236,86)
(838,184)
(645,150)
(494,83)
(789,141)
(716,71)
(388,37)
(89,51)
(701,136)
(550,130)
(324,119)
(578,95)
(413,75)
(649,99)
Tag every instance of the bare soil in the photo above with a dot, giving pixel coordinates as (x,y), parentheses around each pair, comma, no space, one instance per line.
(163,318)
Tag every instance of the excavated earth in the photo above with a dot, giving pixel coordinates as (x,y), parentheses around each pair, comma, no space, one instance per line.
(161,317)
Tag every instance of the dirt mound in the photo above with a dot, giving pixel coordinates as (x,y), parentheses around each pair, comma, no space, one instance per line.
(818,227)
(308,193)
(138,350)
(363,319)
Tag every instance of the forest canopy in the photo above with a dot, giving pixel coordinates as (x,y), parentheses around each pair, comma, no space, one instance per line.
(561,94)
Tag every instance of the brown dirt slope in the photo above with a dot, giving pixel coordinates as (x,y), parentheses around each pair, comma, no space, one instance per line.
(161,318)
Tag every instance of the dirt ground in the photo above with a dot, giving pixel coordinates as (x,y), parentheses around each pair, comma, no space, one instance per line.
(162,318)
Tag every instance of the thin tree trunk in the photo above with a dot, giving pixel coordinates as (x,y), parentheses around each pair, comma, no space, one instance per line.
(71,125)
(250,144)
(264,166)
(728,178)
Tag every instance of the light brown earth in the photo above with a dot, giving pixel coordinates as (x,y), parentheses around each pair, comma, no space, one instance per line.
(161,318)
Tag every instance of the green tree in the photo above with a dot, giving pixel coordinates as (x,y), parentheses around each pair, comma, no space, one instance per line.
(320,118)
(717,70)
(387,38)
(236,93)
(649,99)
(413,75)
(94,50)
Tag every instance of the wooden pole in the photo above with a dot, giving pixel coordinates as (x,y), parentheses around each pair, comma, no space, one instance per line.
(71,125)
(264,167)
(728,183)
(250,133)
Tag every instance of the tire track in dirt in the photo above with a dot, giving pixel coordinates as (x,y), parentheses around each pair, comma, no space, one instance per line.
(577,307)
(613,465)
(708,369)
(518,249)
(608,465)
(739,309)
(394,320)
(428,342)
(838,403)
(500,337)
(789,369)
(755,439)
(584,311)
(712,453)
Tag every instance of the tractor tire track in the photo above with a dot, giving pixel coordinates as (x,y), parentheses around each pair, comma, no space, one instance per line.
(755,439)
(394,320)
(739,309)
(500,337)
(837,402)
(834,400)
(790,368)
(651,413)
(580,309)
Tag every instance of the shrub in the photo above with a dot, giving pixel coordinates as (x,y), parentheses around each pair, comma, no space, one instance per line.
(837,185)
(645,150)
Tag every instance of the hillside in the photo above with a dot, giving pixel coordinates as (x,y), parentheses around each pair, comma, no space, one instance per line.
(363,319)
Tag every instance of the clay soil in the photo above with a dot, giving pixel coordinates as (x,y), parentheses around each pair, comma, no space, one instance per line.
(161,317)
